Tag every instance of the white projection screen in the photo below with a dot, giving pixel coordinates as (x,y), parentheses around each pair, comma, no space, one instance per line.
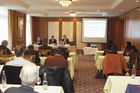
(94,30)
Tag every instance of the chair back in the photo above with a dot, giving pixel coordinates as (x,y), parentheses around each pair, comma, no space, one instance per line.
(114,63)
(58,76)
(30,58)
(12,74)
(5,58)
(3,51)
(44,52)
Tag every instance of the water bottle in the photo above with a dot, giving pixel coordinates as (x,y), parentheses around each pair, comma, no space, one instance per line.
(133,72)
(45,83)
(31,59)
(4,81)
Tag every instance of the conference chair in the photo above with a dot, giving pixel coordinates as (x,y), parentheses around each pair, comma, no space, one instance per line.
(12,74)
(137,67)
(131,88)
(58,76)
(6,58)
(3,51)
(30,58)
(114,63)
(44,52)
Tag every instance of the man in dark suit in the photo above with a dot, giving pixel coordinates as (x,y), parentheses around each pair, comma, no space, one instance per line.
(53,41)
(3,47)
(31,51)
(65,40)
(29,74)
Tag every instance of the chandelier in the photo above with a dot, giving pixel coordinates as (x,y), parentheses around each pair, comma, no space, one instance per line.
(72,14)
(65,3)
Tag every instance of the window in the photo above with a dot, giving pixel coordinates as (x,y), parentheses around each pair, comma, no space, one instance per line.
(28,30)
(3,24)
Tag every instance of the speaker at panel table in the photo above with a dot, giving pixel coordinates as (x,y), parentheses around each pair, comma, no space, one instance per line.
(65,40)
(53,40)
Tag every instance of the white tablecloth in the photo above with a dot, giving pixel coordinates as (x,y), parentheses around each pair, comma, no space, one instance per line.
(90,50)
(118,84)
(70,48)
(51,89)
(100,53)
(100,59)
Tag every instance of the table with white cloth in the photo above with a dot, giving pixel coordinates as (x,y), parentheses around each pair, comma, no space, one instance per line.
(75,57)
(50,89)
(100,59)
(100,53)
(118,84)
(90,50)
(70,48)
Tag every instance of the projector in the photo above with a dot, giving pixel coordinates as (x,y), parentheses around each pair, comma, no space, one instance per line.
(93,46)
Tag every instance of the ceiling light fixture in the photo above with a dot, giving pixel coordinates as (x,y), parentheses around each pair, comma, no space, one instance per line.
(137,1)
(65,3)
(72,14)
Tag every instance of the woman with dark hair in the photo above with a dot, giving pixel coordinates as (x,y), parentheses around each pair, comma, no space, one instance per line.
(108,47)
(133,54)
(127,49)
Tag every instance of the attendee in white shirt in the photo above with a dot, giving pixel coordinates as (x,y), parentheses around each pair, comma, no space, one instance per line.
(19,61)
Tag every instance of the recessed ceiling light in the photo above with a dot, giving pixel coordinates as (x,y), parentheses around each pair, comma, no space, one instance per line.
(137,1)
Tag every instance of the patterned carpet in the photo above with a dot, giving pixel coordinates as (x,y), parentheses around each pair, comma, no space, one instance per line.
(84,79)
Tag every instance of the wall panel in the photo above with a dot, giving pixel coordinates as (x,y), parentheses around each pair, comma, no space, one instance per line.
(53,30)
(67,29)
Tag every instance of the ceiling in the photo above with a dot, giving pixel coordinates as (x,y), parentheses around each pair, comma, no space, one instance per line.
(84,8)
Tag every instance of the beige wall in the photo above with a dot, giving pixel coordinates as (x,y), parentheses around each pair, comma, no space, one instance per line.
(80,45)
(67,29)
(53,30)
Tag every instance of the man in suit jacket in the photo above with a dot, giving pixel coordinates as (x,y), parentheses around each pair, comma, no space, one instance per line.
(31,51)
(53,41)
(29,75)
(65,40)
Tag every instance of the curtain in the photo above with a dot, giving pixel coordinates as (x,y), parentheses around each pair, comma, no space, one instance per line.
(3,24)
(28,30)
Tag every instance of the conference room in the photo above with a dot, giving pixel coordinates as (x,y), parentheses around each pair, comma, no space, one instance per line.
(70,46)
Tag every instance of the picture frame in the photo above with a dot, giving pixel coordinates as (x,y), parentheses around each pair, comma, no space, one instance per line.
(20,29)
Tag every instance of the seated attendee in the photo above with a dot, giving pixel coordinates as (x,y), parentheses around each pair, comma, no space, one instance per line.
(56,60)
(133,54)
(4,45)
(65,40)
(31,51)
(127,49)
(108,46)
(38,41)
(19,61)
(44,46)
(62,49)
(113,50)
(53,41)
(29,75)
